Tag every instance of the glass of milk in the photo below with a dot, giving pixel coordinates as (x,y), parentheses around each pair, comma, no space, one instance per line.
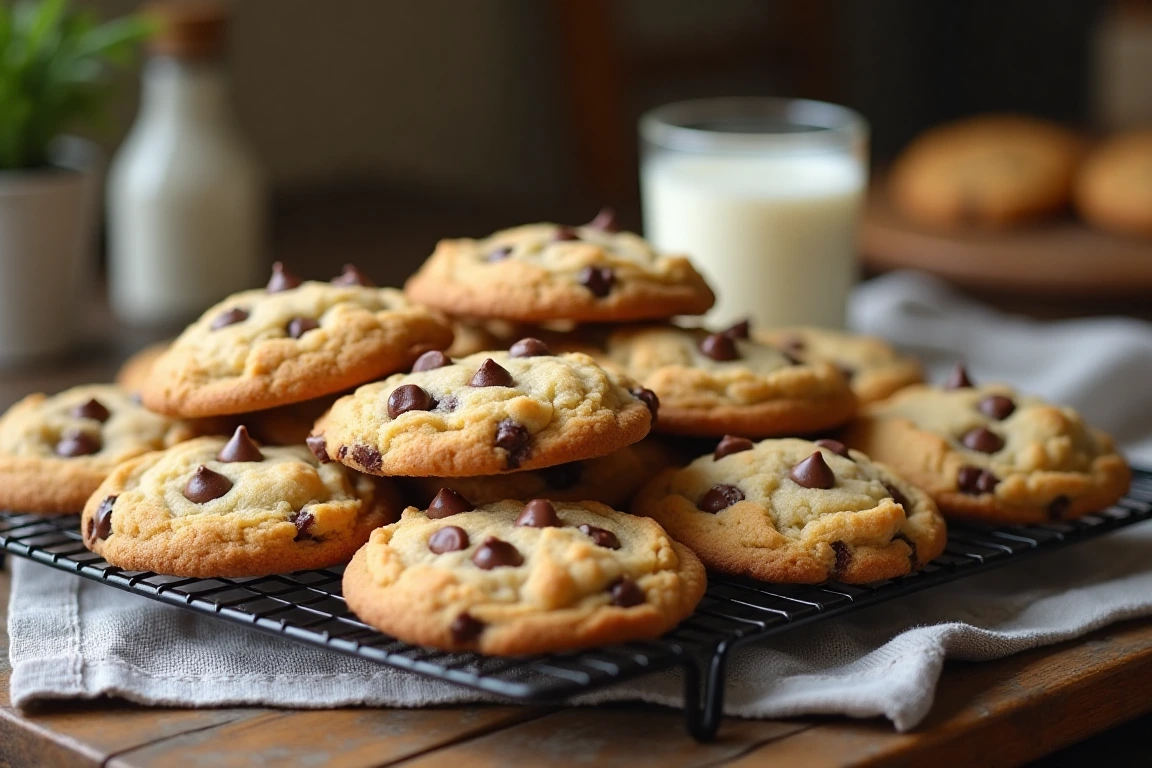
(764,195)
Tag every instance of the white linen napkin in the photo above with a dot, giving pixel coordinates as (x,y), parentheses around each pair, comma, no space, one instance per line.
(71,638)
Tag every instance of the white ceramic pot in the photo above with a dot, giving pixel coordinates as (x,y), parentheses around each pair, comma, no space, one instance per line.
(46,229)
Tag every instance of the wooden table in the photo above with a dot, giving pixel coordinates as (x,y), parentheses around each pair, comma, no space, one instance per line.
(996,713)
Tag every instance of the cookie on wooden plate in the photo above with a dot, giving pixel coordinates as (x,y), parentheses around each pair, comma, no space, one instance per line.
(542,272)
(513,578)
(790,510)
(290,342)
(712,384)
(55,449)
(1114,185)
(227,507)
(486,414)
(991,453)
(990,171)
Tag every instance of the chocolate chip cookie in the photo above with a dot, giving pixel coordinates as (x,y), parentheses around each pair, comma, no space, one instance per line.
(795,511)
(134,371)
(874,369)
(290,342)
(228,507)
(613,479)
(486,414)
(989,452)
(513,578)
(55,450)
(711,384)
(542,272)
(986,172)
(1114,185)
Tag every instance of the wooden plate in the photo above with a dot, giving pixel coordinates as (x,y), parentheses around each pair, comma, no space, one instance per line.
(1062,258)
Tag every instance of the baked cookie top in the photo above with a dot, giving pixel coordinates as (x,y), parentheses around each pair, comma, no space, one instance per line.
(218,506)
(540,272)
(512,578)
(1114,184)
(55,449)
(485,414)
(795,511)
(986,171)
(874,369)
(613,479)
(990,451)
(710,384)
(289,342)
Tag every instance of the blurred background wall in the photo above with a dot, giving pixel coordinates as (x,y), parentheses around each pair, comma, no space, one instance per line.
(534,101)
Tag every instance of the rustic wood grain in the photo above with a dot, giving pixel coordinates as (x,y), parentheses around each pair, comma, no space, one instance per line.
(344,738)
(1003,712)
(636,736)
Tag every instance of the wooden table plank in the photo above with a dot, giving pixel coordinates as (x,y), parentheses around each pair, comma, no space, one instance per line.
(636,736)
(1002,712)
(343,738)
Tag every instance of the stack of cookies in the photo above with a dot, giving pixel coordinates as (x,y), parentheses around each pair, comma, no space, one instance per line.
(507,454)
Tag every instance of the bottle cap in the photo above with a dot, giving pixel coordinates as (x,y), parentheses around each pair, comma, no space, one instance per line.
(188,28)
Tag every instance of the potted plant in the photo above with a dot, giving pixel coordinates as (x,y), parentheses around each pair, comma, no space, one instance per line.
(54,66)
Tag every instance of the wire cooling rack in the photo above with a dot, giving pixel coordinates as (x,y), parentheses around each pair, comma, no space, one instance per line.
(307,606)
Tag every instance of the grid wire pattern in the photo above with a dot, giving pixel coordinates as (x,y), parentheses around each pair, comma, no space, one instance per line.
(307,606)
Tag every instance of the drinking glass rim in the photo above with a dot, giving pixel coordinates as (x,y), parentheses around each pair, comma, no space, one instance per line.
(836,127)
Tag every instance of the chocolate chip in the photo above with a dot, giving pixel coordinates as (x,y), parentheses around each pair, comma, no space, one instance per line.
(102,519)
(648,397)
(626,593)
(409,397)
(975,481)
(319,447)
(367,457)
(719,347)
(93,409)
(983,440)
(562,476)
(500,254)
(958,379)
(997,407)
(605,221)
(451,538)
(282,279)
(490,374)
(913,558)
(298,326)
(843,559)
(529,347)
(898,497)
(731,444)
(353,276)
(564,234)
(447,503)
(240,447)
(304,522)
(835,446)
(231,317)
(74,444)
(494,553)
(601,537)
(513,438)
(813,472)
(430,361)
(740,330)
(1059,507)
(720,497)
(206,485)
(598,280)
(539,513)
(465,629)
